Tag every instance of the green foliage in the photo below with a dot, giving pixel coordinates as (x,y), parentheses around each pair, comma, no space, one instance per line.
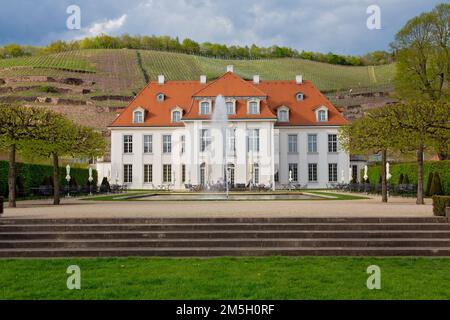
(429,181)
(409,170)
(35,174)
(423,57)
(439,205)
(436,187)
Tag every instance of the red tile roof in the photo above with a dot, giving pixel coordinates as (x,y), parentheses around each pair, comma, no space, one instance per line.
(186,95)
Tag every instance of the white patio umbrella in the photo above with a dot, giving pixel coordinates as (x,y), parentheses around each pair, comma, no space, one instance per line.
(68,173)
(343,176)
(350,175)
(388,173)
(90,179)
(366,171)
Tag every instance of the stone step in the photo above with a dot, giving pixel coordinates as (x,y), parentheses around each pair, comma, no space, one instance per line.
(206,220)
(219,252)
(227,243)
(223,226)
(259,234)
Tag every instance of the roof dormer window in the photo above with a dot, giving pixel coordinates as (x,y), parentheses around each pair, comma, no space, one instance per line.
(283,114)
(176,115)
(138,116)
(253,106)
(205,107)
(300,96)
(322,114)
(231,107)
(160,97)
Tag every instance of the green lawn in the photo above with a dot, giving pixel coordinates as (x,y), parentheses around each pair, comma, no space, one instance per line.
(227,278)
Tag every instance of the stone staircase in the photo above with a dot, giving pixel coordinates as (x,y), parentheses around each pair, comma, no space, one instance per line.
(208,237)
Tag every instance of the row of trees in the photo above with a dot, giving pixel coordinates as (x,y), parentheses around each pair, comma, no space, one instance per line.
(38,132)
(166,43)
(421,120)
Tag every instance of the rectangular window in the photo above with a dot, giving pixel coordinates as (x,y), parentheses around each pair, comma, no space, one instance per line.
(312,172)
(183,173)
(256,173)
(230,108)
(355,173)
(312,143)
(277,177)
(253,140)
(231,140)
(293,172)
(127,144)
(205,139)
(204,108)
(167,143)
(332,143)
(253,107)
(332,172)
(148,144)
(148,173)
(183,144)
(167,173)
(127,173)
(292,143)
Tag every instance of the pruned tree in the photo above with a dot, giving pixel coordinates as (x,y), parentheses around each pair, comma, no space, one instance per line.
(62,138)
(18,125)
(418,125)
(371,134)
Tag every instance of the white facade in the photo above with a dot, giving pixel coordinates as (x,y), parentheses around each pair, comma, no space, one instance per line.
(309,156)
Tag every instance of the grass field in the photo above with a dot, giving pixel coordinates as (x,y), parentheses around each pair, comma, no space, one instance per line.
(227,278)
(120,70)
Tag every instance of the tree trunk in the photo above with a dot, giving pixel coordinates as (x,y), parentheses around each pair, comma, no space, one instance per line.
(56,195)
(12,176)
(420,161)
(384,189)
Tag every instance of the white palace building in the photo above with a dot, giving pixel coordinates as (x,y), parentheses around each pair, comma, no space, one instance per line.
(274,133)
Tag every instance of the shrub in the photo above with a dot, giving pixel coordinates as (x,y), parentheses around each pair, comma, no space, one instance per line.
(439,205)
(441,167)
(436,188)
(33,176)
(105,187)
(400,180)
(429,181)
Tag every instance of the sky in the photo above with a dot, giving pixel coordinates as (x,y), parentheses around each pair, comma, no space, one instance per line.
(338,26)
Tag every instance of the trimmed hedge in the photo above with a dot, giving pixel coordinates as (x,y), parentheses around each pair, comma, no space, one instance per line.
(32,176)
(439,205)
(410,170)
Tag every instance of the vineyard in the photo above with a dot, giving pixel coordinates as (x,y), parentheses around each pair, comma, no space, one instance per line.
(91,86)
(118,71)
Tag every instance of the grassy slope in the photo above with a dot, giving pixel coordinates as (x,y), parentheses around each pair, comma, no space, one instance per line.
(226,278)
(120,68)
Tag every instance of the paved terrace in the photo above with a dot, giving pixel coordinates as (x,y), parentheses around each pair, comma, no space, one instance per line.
(75,208)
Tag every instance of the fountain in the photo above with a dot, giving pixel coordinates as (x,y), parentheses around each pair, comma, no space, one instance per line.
(219,125)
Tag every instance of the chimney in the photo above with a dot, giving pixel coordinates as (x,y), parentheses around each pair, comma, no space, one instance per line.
(299,79)
(203,79)
(230,68)
(256,79)
(161,79)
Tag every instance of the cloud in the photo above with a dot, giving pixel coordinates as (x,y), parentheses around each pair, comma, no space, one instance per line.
(106,26)
(319,25)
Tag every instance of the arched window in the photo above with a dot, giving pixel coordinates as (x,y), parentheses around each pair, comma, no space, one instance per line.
(253,107)
(176,116)
(283,115)
(231,107)
(205,107)
(322,116)
(138,116)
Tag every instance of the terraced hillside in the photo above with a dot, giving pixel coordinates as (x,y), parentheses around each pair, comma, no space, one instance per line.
(92,85)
